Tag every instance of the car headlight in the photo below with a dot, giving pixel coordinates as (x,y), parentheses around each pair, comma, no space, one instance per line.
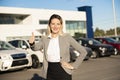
(103,49)
(100,48)
(27,53)
(4,57)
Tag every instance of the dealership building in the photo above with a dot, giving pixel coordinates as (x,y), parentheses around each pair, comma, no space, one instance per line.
(21,22)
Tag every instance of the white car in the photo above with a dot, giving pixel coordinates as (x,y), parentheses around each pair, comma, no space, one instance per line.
(12,58)
(37,56)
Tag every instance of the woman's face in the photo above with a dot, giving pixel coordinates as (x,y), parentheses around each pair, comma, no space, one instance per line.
(55,25)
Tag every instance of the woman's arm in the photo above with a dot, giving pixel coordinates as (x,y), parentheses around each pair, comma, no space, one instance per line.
(80,49)
(35,46)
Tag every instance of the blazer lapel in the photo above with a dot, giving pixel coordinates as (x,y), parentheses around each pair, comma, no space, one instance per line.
(47,42)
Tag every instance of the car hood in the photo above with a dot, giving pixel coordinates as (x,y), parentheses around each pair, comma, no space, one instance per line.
(14,51)
(87,48)
(103,45)
(116,43)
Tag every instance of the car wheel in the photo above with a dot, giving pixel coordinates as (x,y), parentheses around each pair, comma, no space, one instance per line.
(94,55)
(35,62)
(86,58)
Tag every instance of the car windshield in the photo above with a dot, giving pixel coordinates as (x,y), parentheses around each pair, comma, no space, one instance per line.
(95,41)
(110,40)
(5,46)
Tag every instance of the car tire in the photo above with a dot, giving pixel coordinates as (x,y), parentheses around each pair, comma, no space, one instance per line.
(35,62)
(94,55)
(108,55)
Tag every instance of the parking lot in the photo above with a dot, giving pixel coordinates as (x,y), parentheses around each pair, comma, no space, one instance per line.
(105,68)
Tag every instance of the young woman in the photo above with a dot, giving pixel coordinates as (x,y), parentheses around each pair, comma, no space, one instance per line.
(56,60)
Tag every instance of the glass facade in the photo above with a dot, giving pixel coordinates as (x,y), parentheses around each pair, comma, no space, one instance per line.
(6,19)
(12,18)
(76,27)
(72,27)
(43,22)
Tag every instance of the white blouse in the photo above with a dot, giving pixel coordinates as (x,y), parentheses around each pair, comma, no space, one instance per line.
(53,52)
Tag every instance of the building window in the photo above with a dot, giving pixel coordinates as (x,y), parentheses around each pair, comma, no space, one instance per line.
(6,19)
(43,22)
(12,18)
(76,27)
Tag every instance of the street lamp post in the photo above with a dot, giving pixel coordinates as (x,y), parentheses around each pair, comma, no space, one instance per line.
(114,15)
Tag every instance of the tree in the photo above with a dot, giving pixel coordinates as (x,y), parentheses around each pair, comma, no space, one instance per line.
(111,32)
(99,32)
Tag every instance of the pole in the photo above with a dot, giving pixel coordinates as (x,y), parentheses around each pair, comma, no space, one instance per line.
(114,15)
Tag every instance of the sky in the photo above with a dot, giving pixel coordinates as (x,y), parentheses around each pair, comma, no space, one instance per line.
(102,10)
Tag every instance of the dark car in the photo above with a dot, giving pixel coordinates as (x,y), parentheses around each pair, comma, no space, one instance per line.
(74,54)
(116,38)
(111,41)
(98,49)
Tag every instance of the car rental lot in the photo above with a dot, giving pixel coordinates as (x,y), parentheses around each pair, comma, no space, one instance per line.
(105,68)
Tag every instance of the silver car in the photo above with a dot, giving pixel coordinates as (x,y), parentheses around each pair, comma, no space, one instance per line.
(37,56)
(12,58)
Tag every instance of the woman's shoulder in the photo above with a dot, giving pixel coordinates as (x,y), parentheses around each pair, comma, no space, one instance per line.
(43,37)
(66,34)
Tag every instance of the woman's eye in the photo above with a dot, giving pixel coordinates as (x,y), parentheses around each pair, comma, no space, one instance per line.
(58,23)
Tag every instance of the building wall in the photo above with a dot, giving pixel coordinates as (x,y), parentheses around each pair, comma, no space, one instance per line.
(30,23)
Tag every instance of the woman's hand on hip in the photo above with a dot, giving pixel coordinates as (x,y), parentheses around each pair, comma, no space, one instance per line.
(67,65)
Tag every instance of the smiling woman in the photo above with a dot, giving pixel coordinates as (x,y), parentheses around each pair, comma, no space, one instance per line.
(56,45)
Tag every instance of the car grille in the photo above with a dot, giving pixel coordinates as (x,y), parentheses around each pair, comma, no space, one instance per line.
(19,62)
(110,49)
(19,56)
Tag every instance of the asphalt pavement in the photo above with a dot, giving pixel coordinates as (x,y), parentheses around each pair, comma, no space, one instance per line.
(105,68)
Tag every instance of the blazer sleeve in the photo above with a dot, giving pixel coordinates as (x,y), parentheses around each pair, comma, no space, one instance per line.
(80,49)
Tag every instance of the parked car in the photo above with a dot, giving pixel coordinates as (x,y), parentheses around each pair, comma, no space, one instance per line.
(37,56)
(110,41)
(12,58)
(98,49)
(74,54)
(116,38)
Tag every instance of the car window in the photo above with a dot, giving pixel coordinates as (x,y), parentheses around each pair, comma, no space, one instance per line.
(83,42)
(19,44)
(98,39)
(25,44)
(14,43)
(110,40)
(96,42)
(5,46)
